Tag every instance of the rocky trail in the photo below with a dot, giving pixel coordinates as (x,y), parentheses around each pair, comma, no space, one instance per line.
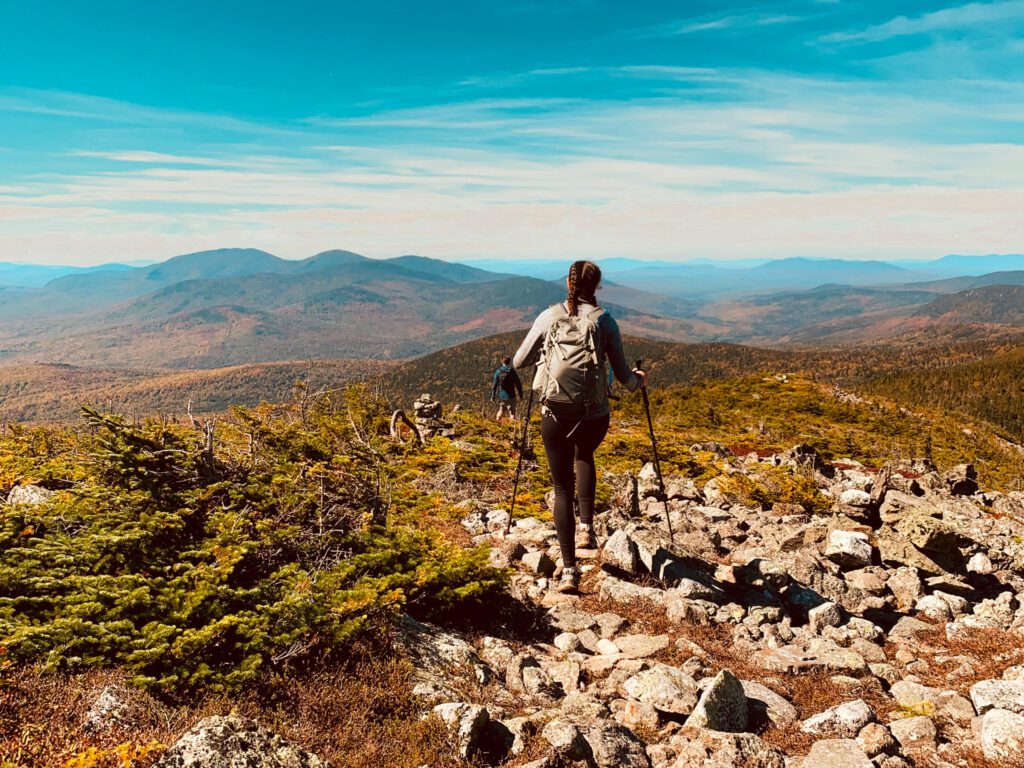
(885,633)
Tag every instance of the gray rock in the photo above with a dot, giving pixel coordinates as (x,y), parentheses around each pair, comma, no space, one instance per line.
(620,552)
(615,746)
(875,739)
(436,655)
(468,723)
(765,705)
(625,592)
(998,694)
(844,720)
(567,738)
(1002,735)
(854,497)
(906,587)
(567,617)
(233,741)
(837,753)
(917,697)
(519,731)
(849,549)
(980,563)
(824,615)
(28,495)
(962,480)
(641,646)
(667,689)
(703,748)
(539,563)
(914,733)
(567,642)
(110,709)
(895,550)
(722,705)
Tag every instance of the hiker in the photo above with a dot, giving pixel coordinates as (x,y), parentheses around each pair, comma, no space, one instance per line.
(507,387)
(571,343)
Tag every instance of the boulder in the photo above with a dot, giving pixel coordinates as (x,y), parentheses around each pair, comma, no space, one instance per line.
(895,551)
(848,549)
(914,733)
(837,753)
(950,704)
(614,746)
(854,497)
(906,587)
(764,705)
(998,694)
(620,552)
(722,705)
(28,495)
(703,748)
(436,654)
(231,741)
(1002,735)
(843,720)
(962,480)
(875,739)
(641,646)
(539,563)
(468,724)
(668,689)
(111,709)
(567,739)
(824,615)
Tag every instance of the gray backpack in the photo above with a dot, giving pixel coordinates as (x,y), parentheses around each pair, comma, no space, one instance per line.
(571,379)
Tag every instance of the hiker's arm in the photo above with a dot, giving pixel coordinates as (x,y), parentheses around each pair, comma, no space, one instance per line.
(529,350)
(494,383)
(615,355)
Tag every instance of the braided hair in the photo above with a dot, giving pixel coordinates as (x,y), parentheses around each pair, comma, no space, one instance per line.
(584,277)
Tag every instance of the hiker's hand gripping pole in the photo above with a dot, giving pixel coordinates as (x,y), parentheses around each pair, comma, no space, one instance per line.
(519,464)
(654,449)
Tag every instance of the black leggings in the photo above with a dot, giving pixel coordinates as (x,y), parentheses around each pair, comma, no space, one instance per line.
(570,447)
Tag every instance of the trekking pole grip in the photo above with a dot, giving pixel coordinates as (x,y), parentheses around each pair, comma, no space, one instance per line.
(639,366)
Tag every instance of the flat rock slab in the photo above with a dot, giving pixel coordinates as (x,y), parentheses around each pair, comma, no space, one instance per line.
(837,753)
(844,720)
(998,694)
(641,646)
(703,748)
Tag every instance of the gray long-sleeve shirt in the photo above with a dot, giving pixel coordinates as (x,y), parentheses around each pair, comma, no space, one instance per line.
(611,343)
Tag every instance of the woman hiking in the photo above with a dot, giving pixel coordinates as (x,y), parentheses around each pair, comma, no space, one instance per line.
(572,343)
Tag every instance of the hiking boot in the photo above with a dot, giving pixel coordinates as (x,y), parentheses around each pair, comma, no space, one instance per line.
(585,537)
(570,581)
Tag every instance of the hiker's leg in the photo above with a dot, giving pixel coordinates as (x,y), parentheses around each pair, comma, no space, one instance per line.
(560,452)
(512,408)
(587,438)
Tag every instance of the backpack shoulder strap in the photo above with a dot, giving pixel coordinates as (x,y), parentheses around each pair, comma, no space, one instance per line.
(558,311)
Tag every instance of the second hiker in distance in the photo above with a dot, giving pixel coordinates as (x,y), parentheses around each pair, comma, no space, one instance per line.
(572,344)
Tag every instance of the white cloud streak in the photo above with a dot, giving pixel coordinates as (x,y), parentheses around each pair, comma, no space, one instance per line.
(959,18)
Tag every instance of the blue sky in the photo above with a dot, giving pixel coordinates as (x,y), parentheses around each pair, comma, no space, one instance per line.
(497,129)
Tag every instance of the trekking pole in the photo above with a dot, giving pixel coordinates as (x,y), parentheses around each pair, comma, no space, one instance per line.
(519,464)
(654,450)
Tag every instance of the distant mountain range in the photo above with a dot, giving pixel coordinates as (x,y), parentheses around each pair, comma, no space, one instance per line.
(238,306)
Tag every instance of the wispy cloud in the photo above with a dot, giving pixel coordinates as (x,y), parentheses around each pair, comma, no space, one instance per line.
(959,18)
(764,17)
